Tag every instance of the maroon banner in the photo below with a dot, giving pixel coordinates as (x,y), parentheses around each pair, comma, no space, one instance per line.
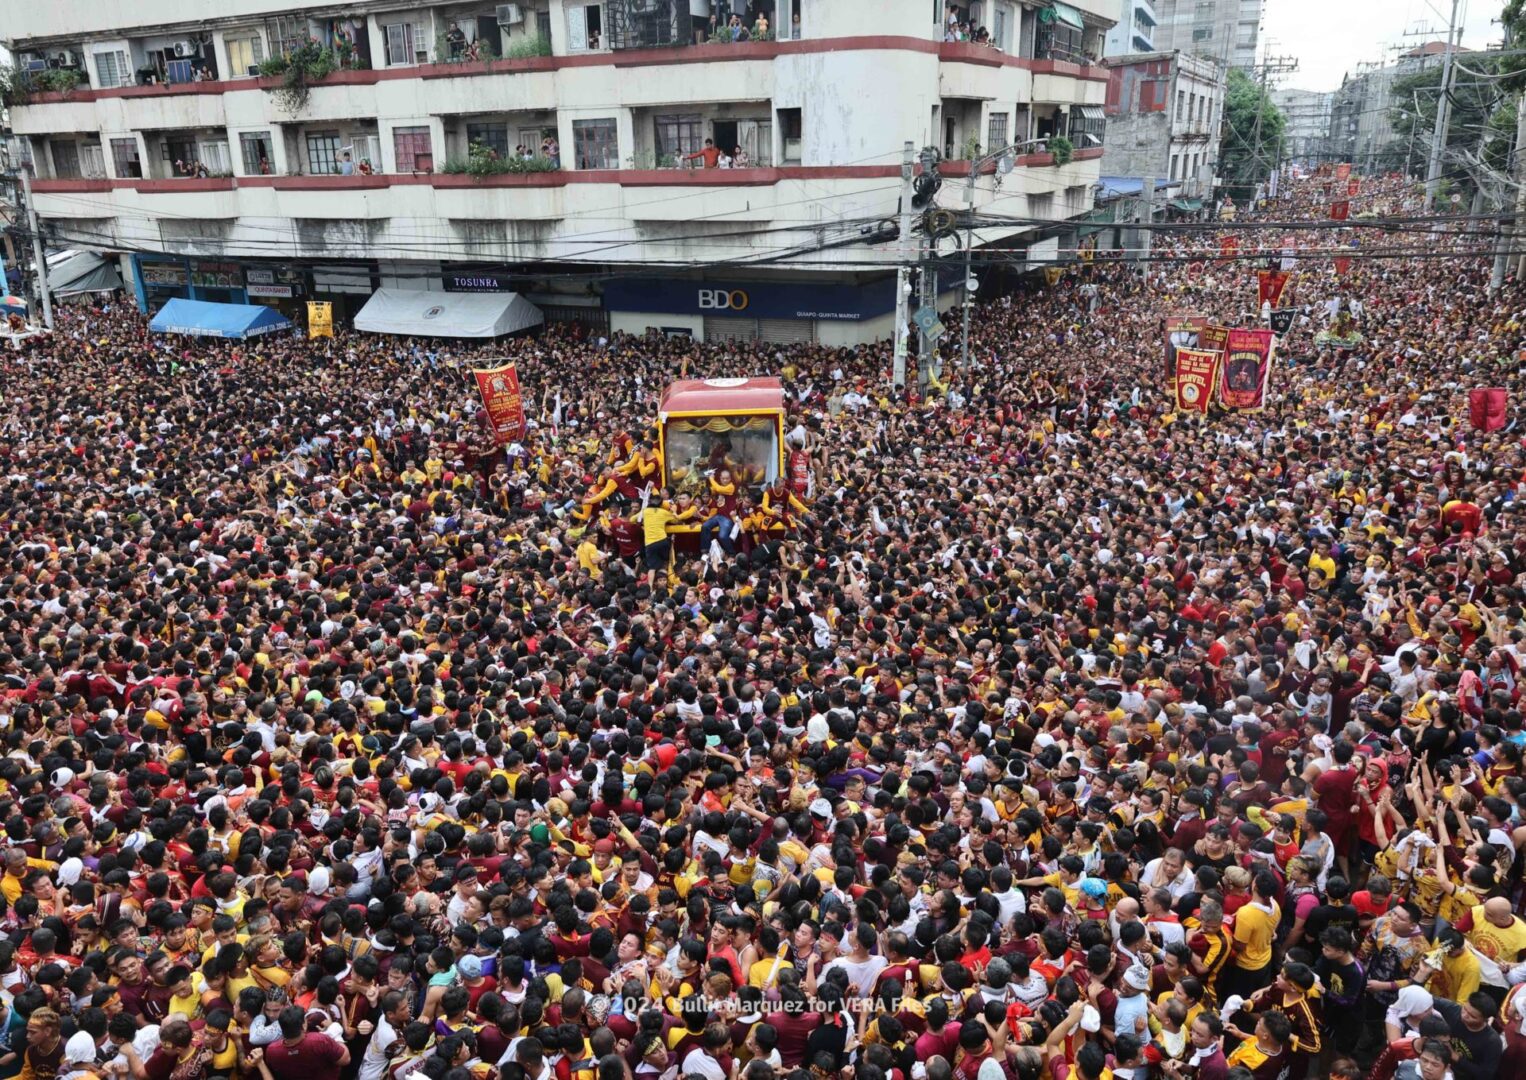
(1180,332)
(1246,370)
(1195,375)
(1487,408)
(1213,338)
(1342,265)
(501,399)
(1270,285)
(1340,210)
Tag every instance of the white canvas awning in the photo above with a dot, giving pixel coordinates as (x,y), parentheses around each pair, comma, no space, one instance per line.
(82,272)
(443,314)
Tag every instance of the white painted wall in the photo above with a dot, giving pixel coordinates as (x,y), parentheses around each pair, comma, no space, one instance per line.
(637,322)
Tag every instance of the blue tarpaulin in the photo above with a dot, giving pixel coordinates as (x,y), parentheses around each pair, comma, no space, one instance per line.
(204,319)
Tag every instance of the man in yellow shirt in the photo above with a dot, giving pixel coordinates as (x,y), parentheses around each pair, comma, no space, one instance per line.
(656,546)
(1496,931)
(1255,928)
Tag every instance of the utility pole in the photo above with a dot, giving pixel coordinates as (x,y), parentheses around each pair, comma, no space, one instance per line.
(1443,116)
(1271,65)
(903,272)
(37,250)
(1145,213)
(927,285)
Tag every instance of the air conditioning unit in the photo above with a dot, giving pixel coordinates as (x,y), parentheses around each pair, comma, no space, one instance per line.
(186,48)
(510,15)
(63,59)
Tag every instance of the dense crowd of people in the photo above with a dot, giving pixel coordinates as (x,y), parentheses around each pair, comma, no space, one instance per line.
(1041,731)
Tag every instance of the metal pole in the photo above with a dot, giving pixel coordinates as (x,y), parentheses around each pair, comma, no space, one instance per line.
(929,288)
(903,273)
(37,251)
(969,242)
(1443,117)
(1146,215)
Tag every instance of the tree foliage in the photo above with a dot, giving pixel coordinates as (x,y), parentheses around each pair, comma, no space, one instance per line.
(1480,129)
(1249,153)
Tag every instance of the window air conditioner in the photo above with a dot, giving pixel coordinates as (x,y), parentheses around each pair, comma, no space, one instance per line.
(510,15)
(186,48)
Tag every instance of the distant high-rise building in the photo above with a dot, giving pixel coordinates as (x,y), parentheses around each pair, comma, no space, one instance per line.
(1226,30)
(1307,113)
(1135,30)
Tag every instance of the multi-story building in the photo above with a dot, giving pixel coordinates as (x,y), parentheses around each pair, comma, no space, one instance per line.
(1227,30)
(1163,113)
(1362,111)
(1307,113)
(1135,31)
(551,147)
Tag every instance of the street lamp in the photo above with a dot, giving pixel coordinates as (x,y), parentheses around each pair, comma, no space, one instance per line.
(1005,163)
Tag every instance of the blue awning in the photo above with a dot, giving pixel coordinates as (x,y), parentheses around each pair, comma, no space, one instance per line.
(203,319)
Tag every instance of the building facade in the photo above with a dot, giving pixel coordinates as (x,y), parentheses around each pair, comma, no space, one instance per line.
(1362,111)
(1135,31)
(1163,116)
(1229,31)
(549,147)
(1307,113)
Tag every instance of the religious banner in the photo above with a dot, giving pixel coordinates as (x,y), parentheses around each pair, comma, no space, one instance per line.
(1053,274)
(1180,332)
(1487,407)
(1342,265)
(1354,186)
(499,388)
(1246,370)
(1343,171)
(320,319)
(1195,375)
(1213,338)
(1229,245)
(1282,320)
(1340,210)
(1270,285)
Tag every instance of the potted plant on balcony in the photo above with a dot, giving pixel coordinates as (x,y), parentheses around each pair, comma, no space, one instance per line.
(1062,149)
(308,63)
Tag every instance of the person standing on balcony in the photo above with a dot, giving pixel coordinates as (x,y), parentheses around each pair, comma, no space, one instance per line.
(455,40)
(346,164)
(699,19)
(710,153)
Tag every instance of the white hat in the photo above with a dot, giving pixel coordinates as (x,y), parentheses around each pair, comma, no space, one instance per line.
(80,1048)
(69,871)
(1137,976)
(821,808)
(1414,1001)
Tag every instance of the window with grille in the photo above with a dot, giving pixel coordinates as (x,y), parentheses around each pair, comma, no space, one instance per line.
(244,54)
(996,136)
(411,145)
(676,135)
(111,69)
(494,137)
(182,151)
(287,33)
(323,153)
(65,160)
(259,158)
(407,44)
(125,159)
(595,144)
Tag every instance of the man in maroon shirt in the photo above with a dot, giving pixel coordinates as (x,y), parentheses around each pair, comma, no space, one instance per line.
(300,1054)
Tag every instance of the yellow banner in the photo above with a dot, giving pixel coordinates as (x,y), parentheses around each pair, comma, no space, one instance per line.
(320,319)
(1053,274)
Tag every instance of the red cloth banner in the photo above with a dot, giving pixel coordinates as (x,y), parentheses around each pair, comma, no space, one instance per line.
(1342,265)
(1229,245)
(1213,338)
(1246,370)
(1180,332)
(501,399)
(1196,370)
(1343,171)
(1487,407)
(1340,210)
(1354,187)
(1270,285)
